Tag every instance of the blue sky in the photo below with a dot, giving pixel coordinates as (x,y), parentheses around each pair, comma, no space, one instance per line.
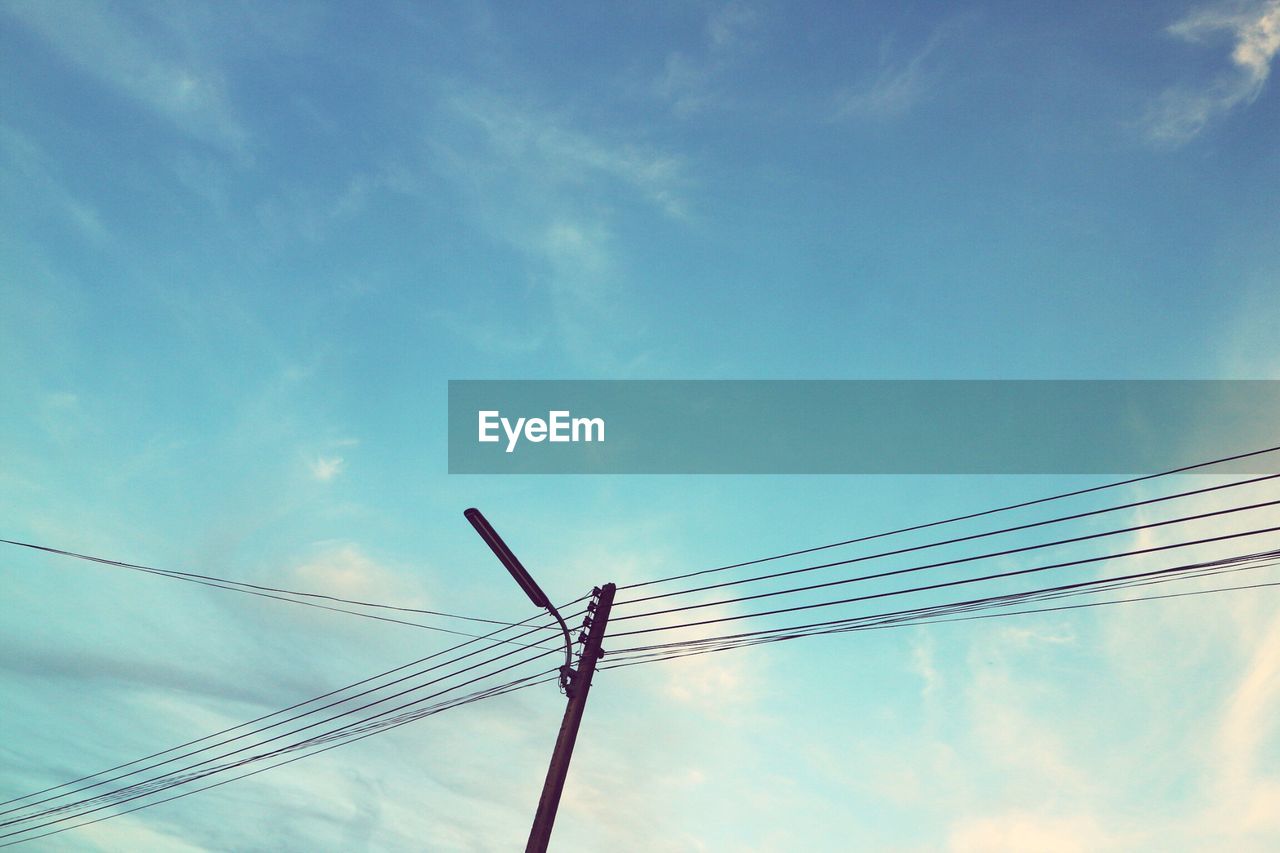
(244,246)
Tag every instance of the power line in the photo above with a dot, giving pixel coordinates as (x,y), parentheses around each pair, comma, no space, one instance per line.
(960,560)
(945,612)
(269,592)
(946,584)
(959,539)
(899,623)
(261,729)
(836,624)
(168,780)
(511,687)
(351,726)
(958,518)
(173,780)
(281,711)
(174,776)
(1081,605)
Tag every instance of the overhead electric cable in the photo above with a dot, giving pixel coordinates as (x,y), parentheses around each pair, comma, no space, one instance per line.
(269,592)
(952,562)
(184,780)
(940,585)
(73,788)
(958,518)
(698,650)
(922,616)
(282,710)
(835,625)
(519,684)
(959,539)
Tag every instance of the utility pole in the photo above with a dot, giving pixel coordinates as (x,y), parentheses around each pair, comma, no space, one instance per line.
(576,682)
(579,686)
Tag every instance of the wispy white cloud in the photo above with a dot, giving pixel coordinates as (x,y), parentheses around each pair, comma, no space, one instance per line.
(1247,344)
(924,664)
(1007,722)
(1248,796)
(135,833)
(546,151)
(897,86)
(485,336)
(1229,646)
(26,172)
(327,464)
(717,684)
(342,568)
(1017,832)
(692,83)
(325,468)
(548,190)
(1179,113)
(313,211)
(184,90)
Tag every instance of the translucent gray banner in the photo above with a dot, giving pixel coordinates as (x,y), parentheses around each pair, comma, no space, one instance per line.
(858,426)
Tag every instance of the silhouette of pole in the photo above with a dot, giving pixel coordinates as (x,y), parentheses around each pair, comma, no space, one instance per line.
(576,683)
(579,687)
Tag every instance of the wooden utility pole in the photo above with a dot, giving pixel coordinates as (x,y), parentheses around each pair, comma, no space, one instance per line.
(579,687)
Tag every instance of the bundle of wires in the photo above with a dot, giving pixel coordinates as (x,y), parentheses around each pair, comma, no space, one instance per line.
(503,661)
(688,613)
(677,616)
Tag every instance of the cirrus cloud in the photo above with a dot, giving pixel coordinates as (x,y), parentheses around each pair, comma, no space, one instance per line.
(1180,113)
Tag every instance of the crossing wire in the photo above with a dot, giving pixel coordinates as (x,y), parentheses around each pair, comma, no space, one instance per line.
(379,721)
(167,781)
(270,592)
(84,787)
(295,706)
(519,684)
